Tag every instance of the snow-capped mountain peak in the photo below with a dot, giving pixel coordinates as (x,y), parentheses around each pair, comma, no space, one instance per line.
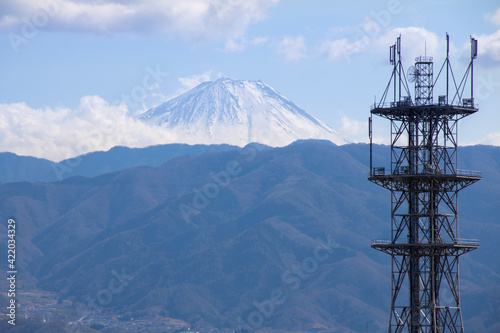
(237,112)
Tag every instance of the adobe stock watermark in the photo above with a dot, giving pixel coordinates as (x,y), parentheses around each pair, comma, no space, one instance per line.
(292,279)
(485,87)
(96,136)
(202,196)
(33,24)
(376,23)
(141,91)
(101,299)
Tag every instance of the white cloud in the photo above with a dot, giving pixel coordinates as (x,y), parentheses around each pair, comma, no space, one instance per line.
(415,41)
(488,48)
(494,17)
(492,139)
(186,83)
(352,126)
(292,48)
(204,20)
(357,131)
(240,43)
(370,37)
(342,49)
(62,133)
(235,44)
(192,81)
(259,41)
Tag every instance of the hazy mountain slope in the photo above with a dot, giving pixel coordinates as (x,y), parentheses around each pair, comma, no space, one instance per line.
(14,168)
(238,238)
(231,254)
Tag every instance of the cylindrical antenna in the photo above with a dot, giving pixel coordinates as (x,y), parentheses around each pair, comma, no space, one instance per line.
(473,55)
(399,63)
(447,65)
(370,136)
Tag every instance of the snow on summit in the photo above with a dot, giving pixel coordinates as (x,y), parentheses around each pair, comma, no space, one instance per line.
(237,112)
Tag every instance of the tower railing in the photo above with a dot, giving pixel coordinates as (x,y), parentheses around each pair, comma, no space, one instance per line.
(456,241)
(381,171)
(465,103)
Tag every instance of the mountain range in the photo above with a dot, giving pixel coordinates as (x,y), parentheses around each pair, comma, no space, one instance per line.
(237,112)
(274,238)
(15,168)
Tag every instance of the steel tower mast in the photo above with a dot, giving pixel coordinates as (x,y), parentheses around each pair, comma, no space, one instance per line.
(424,182)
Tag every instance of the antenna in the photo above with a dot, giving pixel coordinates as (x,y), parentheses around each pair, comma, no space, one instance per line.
(392,54)
(473,43)
(447,65)
(399,63)
(371,142)
(473,55)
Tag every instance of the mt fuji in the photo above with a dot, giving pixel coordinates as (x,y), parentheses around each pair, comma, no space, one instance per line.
(237,112)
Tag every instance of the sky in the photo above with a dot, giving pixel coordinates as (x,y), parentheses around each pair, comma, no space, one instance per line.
(74,73)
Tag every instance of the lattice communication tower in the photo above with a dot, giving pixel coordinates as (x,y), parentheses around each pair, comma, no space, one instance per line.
(424,182)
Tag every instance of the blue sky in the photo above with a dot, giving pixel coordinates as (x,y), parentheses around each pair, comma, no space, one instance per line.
(74,72)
